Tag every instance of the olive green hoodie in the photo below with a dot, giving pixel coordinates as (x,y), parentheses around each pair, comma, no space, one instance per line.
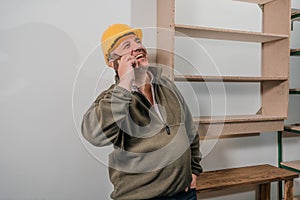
(155,153)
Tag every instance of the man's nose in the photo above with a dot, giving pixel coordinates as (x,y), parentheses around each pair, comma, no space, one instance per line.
(136,46)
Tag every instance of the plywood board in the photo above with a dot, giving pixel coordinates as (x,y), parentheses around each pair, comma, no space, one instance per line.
(295,91)
(295,11)
(225,34)
(236,128)
(293,128)
(295,52)
(237,118)
(292,164)
(275,97)
(195,78)
(256,1)
(295,14)
(227,178)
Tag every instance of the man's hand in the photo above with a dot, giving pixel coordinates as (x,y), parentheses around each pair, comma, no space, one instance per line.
(126,72)
(193,183)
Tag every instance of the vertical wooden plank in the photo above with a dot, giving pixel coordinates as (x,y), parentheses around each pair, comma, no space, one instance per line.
(165,35)
(276,17)
(275,96)
(276,58)
(289,190)
(264,190)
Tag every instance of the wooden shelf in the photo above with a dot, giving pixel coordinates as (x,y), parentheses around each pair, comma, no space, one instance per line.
(249,175)
(286,134)
(295,11)
(236,118)
(295,15)
(256,1)
(293,128)
(223,126)
(292,164)
(195,78)
(225,136)
(225,34)
(295,52)
(295,91)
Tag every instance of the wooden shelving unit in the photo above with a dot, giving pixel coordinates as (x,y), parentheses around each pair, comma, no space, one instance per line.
(295,91)
(295,15)
(294,12)
(291,130)
(295,52)
(274,79)
(274,40)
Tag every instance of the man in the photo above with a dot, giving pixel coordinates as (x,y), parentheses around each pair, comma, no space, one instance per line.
(146,119)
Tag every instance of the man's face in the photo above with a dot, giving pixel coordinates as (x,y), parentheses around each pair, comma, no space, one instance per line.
(131,45)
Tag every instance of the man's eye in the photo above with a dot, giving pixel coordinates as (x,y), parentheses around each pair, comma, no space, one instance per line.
(126,46)
(138,41)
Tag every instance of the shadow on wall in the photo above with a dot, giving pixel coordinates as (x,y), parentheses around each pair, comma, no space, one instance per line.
(37,66)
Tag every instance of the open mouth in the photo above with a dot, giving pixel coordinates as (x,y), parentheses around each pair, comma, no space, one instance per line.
(141,53)
(139,56)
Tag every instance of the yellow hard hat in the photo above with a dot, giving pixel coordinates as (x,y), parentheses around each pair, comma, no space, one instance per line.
(112,35)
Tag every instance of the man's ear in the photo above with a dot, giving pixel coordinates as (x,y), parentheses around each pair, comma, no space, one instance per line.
(111,64)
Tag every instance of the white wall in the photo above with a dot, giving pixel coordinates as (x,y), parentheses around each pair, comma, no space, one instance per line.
(52,69)
(43,44)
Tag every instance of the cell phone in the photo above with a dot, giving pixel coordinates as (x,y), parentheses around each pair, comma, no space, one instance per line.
(116,63)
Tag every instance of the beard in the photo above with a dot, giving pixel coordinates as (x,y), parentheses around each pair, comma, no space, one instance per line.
(141,76)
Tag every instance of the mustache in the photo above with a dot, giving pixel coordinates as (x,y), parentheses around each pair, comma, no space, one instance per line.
(139,50)
(141,53)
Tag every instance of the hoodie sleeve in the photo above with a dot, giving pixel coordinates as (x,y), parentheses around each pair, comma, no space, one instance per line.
(101,122)
(195,147)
